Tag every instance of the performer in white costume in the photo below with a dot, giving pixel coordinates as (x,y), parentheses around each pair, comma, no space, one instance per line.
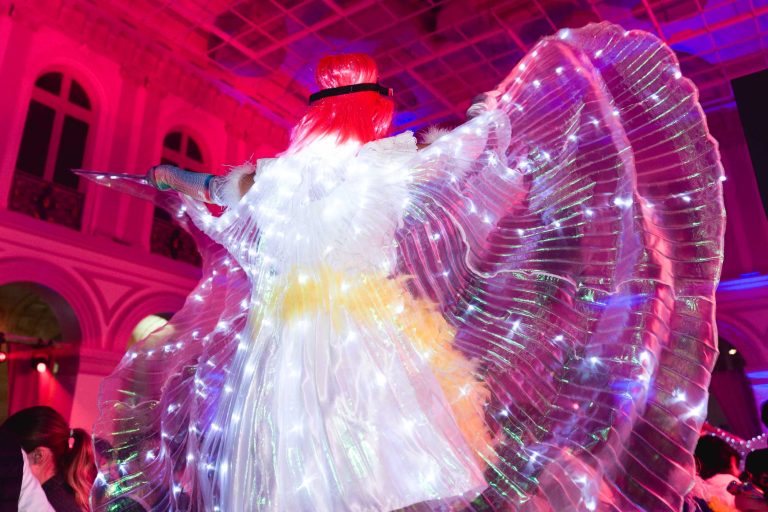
(518,316)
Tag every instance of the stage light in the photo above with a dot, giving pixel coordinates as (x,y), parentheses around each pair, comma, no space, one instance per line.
(3,356)
(40,364)
(732,352)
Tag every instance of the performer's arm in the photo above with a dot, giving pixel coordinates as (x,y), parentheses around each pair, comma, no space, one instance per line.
(480,104)
(198,185)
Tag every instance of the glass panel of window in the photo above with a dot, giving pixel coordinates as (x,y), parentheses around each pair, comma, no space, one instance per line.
(50,82)
(78,96)
(36,139)
(71,151)
(173,141)
(193,150)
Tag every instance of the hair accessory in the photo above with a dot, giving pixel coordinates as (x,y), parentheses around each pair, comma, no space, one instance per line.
(348,89)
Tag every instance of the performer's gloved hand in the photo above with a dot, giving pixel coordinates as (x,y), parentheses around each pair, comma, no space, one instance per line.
(158,176)
(193,184)
(480,104)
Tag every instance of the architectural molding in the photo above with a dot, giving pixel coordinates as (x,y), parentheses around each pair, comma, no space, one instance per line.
(153,65)
(138,308)
(112,292)
(101,280)
(99,362)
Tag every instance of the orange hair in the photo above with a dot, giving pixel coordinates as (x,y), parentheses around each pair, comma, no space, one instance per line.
(360,116)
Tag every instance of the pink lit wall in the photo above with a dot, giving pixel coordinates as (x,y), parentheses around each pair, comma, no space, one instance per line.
(742,300)
(105,271)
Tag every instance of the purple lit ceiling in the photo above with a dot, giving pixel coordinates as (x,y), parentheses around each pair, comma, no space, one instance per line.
(436,54)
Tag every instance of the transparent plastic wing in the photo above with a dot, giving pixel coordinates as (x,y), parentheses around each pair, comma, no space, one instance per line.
(573,236)
(159,404)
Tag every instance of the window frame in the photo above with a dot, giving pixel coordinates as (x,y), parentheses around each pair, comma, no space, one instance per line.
(180,157)
(62,108)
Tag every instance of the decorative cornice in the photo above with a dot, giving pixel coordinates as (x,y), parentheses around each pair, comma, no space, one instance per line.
(25,234)
(110,290)
(98,362)
(153,65)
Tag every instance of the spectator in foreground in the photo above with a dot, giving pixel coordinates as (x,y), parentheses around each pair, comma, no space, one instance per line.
(718,466)
(19,489)
(750,496)
(60,458)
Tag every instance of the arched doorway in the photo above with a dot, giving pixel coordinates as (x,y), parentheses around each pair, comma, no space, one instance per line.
(39,326)
(731,399)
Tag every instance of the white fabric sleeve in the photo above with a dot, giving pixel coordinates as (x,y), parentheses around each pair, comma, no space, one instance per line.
(32,497)
(227,190)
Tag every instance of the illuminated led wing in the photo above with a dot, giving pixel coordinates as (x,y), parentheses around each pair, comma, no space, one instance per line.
(573,235)
(159,404)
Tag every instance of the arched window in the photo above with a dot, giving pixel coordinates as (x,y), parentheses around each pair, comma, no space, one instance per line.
(169,239)
(54,141)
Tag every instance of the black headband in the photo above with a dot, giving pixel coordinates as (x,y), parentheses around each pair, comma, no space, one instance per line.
(348,89)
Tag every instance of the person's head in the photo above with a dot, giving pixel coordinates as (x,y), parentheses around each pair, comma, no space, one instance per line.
(714,456)
(358,116)
(53,448)
(105,458)
(764,413)
(756,468)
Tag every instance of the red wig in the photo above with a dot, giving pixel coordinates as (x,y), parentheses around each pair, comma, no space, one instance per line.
(359,116)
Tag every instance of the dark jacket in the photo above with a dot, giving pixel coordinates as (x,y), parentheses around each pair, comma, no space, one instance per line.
(60,495)
(11,468)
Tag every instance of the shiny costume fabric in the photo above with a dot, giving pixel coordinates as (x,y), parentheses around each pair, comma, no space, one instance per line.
(558,252)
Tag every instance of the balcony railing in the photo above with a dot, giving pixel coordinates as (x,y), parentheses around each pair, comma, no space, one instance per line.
(168,239)
(46,201)
(51,202)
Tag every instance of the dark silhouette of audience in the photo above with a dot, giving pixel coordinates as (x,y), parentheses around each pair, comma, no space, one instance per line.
(717,464)
(750,496)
